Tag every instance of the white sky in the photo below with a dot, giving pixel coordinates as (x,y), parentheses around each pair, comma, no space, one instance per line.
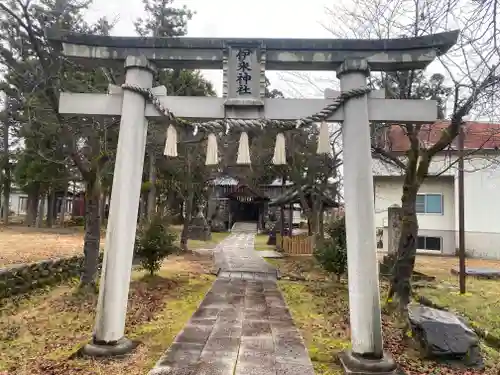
(244,19)
(231,18)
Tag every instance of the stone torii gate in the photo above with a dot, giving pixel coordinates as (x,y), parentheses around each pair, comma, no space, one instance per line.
(244,62)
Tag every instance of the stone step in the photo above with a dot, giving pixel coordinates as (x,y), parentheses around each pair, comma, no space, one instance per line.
(244,227)
(247,275)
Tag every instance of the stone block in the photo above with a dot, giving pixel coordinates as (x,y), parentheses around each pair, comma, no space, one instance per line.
(194,334)
(294,369)
(199,229)
(181,354)
(353,364)
(23,278)
(227,330)
(254,368)
(445,336)
(215,367)
(256,328)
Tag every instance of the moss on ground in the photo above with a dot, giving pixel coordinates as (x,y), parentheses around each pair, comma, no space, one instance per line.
(261,243)
(321,322)
(41,332)
(320,309)
(195,244)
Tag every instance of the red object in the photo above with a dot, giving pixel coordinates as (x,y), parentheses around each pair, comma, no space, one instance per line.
(82,206)
(79,204)
(477,135)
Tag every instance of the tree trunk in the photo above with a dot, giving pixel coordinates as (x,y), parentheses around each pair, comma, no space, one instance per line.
(51,208)
(63,206)
(188,203)
(315,214)
(6,195)
(102,207)
(313,223)
(41,211)
(321,223)
(142,207)
(7,177)
(407,249)
(32,205)
(152,189)
(74,201)
(92,237)
(187,220)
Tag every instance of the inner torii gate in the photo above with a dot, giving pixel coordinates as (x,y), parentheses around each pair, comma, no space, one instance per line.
(244,62)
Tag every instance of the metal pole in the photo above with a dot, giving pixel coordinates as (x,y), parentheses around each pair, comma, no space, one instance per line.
(461,211)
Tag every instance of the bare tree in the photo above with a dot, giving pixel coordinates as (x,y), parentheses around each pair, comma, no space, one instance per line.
(470,72)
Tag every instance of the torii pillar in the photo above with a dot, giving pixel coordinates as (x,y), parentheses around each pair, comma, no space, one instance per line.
(353,58)
(108,338)
(366,355)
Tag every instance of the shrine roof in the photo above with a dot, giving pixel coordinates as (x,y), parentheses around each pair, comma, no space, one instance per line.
(224,181)
(247,191)
(232,181)
(281,54)
(293,195)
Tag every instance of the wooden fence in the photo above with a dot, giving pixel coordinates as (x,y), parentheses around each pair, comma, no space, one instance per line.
(300,244)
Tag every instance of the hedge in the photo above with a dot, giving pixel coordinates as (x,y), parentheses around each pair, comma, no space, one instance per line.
(27,277)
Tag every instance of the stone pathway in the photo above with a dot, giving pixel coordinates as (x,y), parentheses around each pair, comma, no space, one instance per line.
(270,254)
(243,326)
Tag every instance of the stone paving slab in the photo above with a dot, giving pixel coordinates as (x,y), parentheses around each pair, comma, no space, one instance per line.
(236,254)
(270,254)
(243,326)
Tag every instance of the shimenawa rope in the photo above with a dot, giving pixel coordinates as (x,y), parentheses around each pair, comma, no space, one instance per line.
(246,125)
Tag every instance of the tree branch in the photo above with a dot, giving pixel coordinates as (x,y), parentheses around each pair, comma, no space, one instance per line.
(451,132)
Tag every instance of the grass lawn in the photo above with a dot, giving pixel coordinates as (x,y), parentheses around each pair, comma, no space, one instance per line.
(320,309)
(195,244)
(39,334)
(261,243)
(216,238)
(481,303)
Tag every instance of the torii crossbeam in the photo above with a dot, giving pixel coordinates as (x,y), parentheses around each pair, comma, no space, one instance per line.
(244,62)
(210,108)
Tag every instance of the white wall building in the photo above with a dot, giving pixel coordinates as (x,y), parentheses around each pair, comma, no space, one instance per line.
(18,203)
(437,204)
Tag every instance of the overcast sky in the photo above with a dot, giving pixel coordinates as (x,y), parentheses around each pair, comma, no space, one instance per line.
(231,18)
(245,19)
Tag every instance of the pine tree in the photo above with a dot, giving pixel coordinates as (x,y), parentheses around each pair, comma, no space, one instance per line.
(164,20)
(36,73)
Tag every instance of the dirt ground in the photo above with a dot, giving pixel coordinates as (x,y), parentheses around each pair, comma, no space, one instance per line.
(20,244)
(40,333)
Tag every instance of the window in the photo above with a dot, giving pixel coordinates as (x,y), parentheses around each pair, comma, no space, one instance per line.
(429,204)
(429,243)
(23,204)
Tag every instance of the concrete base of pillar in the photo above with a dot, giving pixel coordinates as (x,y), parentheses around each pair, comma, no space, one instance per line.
(353,364)
(117,349)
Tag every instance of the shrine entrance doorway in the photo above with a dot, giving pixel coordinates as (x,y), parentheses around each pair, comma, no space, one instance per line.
(246,205)
(244,211)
